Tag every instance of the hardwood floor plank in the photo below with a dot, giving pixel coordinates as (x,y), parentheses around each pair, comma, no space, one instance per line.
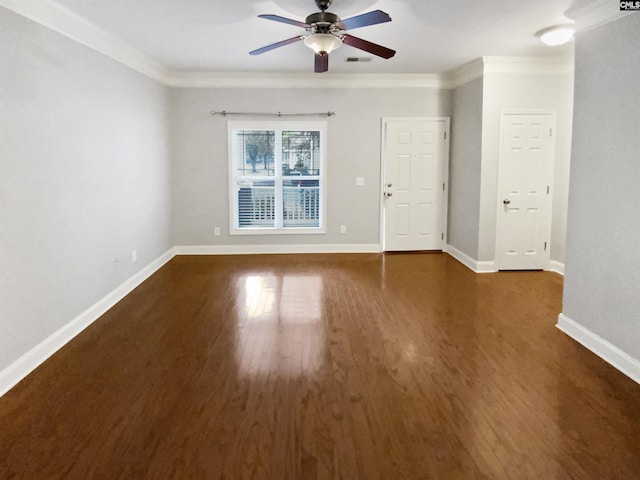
(325,367)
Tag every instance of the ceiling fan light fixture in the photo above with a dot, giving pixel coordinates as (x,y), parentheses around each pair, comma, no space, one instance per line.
(322,42)
(556,35)
(326,32)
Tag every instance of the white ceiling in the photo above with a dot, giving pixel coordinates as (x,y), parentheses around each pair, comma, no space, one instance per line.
(430,36)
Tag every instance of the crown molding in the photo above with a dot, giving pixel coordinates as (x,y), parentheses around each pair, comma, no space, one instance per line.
(509,65)
(529,65)
(594,14)
(303,80)
(71,25)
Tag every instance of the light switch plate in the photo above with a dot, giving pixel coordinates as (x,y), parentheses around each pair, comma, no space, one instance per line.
(359,181)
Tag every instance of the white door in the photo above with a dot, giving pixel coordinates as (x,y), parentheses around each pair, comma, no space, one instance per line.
(415,153)
(525,172)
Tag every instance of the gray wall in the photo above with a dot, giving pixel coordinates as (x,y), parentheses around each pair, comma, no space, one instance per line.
(84,178)
(465,167)
(603,234)
(200,163)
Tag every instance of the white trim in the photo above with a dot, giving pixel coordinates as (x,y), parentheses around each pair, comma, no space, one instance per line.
(528,111)
(415,119)
(608,352)
(260,231)
(474,265)
(536,66)
(71,25)
(23,366)
(445,180)
(529,65)
(555,266)
(275,249)
(304,80)
(462,257)
(486,266)
(383,175)
(595,14)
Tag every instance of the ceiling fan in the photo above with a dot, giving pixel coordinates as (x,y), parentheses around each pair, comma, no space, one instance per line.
(326,32)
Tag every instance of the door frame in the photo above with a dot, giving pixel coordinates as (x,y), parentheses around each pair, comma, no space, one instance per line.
(445,171)
(553,113)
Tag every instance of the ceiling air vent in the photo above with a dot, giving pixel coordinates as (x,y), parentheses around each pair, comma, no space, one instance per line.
(358,59)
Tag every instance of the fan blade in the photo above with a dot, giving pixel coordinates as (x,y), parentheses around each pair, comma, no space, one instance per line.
(276,45)
(370,47)
(322,62)
(364,20)
(278,18)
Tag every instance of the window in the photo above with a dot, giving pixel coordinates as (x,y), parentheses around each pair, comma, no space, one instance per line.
(277,177)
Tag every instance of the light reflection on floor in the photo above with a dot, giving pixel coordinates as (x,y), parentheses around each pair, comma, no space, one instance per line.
(280,330)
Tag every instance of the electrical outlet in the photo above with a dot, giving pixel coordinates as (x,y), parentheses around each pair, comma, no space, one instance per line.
(134,255)
(216,231)
(359,181)
(343,229)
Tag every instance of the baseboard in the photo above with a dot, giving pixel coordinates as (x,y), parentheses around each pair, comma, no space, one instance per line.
(608,352)
(275,249)
(556,267)
(467,261)
(23,366)
(485,267)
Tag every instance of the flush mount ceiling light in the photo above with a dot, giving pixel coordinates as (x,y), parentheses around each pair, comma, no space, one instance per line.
(556,35)
(322,43)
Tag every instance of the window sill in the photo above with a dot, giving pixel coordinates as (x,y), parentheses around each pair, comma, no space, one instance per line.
(277,231)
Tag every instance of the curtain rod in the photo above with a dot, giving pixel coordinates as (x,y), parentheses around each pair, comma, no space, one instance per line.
(224,113)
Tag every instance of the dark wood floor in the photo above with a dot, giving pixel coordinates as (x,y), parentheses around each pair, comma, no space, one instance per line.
(325,367)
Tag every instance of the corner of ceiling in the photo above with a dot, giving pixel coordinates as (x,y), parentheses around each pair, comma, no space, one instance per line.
(66,22)
(466,72)
(529,65)
(508,65)
(594,14)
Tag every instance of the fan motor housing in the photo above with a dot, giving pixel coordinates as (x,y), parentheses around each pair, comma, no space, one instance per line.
(323,21)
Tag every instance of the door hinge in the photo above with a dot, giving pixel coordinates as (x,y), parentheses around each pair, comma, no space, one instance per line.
(547,189)
(445,135)
(442,236)
(551,132)
(545,246)
(443,187)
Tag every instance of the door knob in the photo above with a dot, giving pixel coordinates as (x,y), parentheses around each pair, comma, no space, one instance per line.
(389,185)
(506,201)
(388,194)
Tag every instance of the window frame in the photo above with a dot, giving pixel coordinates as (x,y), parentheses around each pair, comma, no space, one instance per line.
(278,127)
